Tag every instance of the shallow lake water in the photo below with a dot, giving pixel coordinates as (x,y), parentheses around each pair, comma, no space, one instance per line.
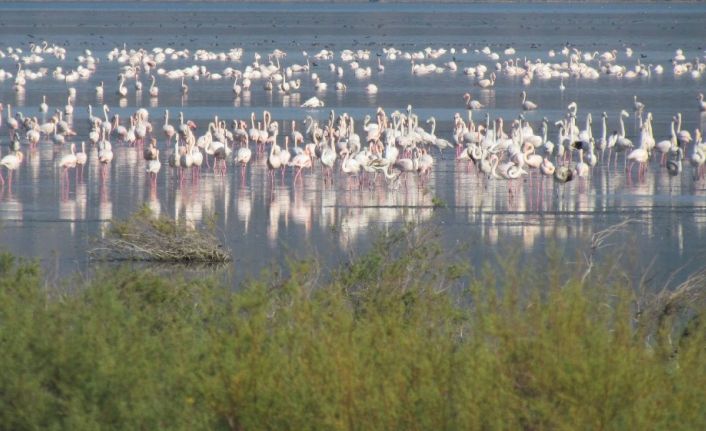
(263,224)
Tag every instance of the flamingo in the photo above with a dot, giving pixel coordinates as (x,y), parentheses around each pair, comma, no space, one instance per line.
(622,143)
(184,87)
(639,106)
(237,89)
(167,128)
(122,89)
(220,153)
(547,167)
(105,156)
(350,166)
(12,122)
(300,161)
(196,159)
(150,153)
(471,104)
(174,159)
(698,156)
(67,162)
(674,167)
(313,102)
(186,160)
(297,137)
(153,166)
(11,162)
(425,164)
(683,136)
(487,83)
(154,90)
(526,104)
(667,145)
(581,169)
(439,143)
(69,108)
(82,157)
(274,161)
(328,157)
(285,156)
(405,166)
(242,157)
(33,136)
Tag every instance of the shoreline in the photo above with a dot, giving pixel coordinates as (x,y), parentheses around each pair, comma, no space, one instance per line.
(388,2)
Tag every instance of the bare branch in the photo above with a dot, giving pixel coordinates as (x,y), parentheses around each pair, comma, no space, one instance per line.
(598,241)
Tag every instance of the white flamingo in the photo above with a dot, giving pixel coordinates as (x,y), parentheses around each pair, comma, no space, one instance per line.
(154,90)
(122,89)
(67,162)
(11,162)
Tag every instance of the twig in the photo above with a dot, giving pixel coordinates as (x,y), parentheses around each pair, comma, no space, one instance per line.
(598,241)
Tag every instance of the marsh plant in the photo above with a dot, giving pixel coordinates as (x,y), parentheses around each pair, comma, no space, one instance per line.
(404,336)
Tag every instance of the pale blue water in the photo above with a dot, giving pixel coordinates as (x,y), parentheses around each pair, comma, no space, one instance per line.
(262,225)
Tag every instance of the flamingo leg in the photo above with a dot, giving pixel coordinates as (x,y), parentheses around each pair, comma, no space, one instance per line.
(296,176)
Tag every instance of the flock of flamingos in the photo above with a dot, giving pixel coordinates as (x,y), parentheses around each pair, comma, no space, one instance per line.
(386,149)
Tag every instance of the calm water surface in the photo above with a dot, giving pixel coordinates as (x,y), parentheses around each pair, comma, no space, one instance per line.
(263,224)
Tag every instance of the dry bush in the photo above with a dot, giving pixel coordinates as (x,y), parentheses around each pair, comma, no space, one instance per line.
(146,237)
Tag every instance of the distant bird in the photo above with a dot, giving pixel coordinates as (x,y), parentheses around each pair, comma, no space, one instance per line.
(68,162)
(81,157)
(487,82)
(43,107)
(674,166)
(153,166)
(639,106)
(122,89)
(526,104)
(237,89)
(154,90)
(314,102)
(471,104)
(11,162)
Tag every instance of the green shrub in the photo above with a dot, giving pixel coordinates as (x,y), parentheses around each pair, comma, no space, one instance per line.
(403,337)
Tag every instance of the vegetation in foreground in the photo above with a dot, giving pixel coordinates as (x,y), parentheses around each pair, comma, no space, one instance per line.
(402,337)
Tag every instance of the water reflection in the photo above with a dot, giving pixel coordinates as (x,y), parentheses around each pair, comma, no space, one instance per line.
(11,207)
(20,96)
(244,205)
